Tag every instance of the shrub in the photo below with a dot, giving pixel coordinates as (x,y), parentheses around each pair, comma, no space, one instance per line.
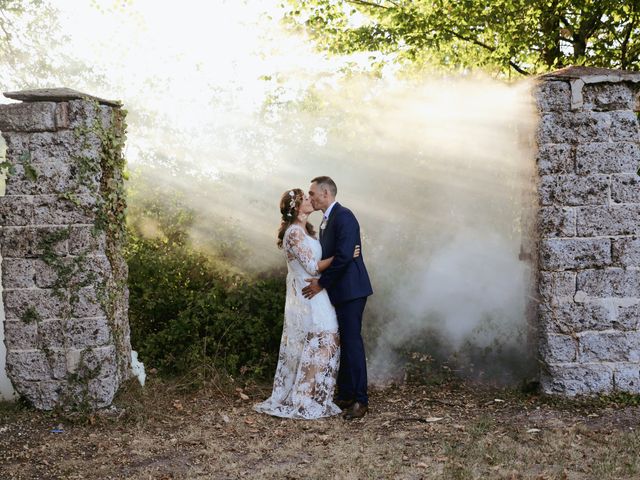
(187,310)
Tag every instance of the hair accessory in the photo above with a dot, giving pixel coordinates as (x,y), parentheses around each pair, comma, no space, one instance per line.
(292,203)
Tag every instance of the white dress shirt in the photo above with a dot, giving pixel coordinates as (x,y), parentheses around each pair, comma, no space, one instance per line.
(328,212)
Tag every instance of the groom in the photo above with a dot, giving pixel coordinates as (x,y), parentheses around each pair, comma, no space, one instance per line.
(348,286)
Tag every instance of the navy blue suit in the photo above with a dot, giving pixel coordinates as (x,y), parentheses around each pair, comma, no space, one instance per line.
(347,283)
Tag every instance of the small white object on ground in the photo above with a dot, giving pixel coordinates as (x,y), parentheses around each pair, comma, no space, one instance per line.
(137,367)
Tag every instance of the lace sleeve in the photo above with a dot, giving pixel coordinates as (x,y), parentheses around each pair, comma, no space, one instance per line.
(295,248)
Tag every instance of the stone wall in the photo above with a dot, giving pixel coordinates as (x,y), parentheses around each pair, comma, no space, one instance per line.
(64,278)
(589,222)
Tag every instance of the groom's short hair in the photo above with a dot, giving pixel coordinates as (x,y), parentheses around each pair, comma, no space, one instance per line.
(328,183)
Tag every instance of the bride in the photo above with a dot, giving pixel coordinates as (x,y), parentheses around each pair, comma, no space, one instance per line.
(310,347)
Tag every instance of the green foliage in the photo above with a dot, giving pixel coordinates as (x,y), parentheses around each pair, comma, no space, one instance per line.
(34,48)
(192,308)
(502,36)
(30,172)
(7,168)
(30,315)
(187,311)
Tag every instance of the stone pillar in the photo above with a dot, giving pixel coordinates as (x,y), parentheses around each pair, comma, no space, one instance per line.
(62,228)
(589,222)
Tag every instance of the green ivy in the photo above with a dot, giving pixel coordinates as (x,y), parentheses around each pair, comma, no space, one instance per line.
(30,315)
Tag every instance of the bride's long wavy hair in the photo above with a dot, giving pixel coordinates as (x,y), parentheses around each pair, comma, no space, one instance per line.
(289,208)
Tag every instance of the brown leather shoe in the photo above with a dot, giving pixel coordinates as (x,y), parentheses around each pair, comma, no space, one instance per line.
(357,410)
(344,404)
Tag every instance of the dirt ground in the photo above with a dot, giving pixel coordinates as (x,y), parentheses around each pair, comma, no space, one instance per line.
(450,431)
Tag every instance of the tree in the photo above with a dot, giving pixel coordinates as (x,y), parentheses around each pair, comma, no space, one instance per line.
(525,36)
(31,48)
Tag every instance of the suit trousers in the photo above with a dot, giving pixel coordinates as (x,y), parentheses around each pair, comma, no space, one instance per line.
(352,375)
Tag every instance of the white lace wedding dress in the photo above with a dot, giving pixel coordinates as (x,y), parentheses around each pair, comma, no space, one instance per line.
(309,350)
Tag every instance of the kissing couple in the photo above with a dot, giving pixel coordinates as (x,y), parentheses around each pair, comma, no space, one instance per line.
(327,289)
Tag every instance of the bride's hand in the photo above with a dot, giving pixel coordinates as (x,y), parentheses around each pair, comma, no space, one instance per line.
(356,252)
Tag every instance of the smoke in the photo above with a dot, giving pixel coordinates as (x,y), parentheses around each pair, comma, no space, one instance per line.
(226,111)
(439,173)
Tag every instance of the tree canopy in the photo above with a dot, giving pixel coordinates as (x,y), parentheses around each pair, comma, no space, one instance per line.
(504,36)
(31,42)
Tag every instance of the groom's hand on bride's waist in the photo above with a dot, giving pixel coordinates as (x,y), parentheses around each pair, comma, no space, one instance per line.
(312,289)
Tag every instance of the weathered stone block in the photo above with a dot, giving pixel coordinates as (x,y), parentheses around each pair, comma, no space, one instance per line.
(624,127)
(83,113)
(98,267)
(572,190)
(43,394)
(46,275)
(557,221)
(107,116)
(556,348)
(16,211)
(625,188)
(626,252)
(574,253)
(36,364)
(50,209)
(86,239)
(25,304)
(18,242)
(609,346)
(65,146)
(62,115)
(28,242)
(553,96)
(16,144)
(627,377)
(52,332)
(75,333)
(576,379)
(608,96)
(51,178)
(88,304)
(628,315)
(18,273)
(555,158)
(101,359)
(90,332)
(608,220)
(570,318)
(580,127)
(556,286)
(102,390)
(20,335)
(608,157)
(82,271)
(28,117)
(610,282)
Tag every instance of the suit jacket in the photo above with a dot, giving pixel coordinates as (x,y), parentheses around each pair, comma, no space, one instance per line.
(347,278)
